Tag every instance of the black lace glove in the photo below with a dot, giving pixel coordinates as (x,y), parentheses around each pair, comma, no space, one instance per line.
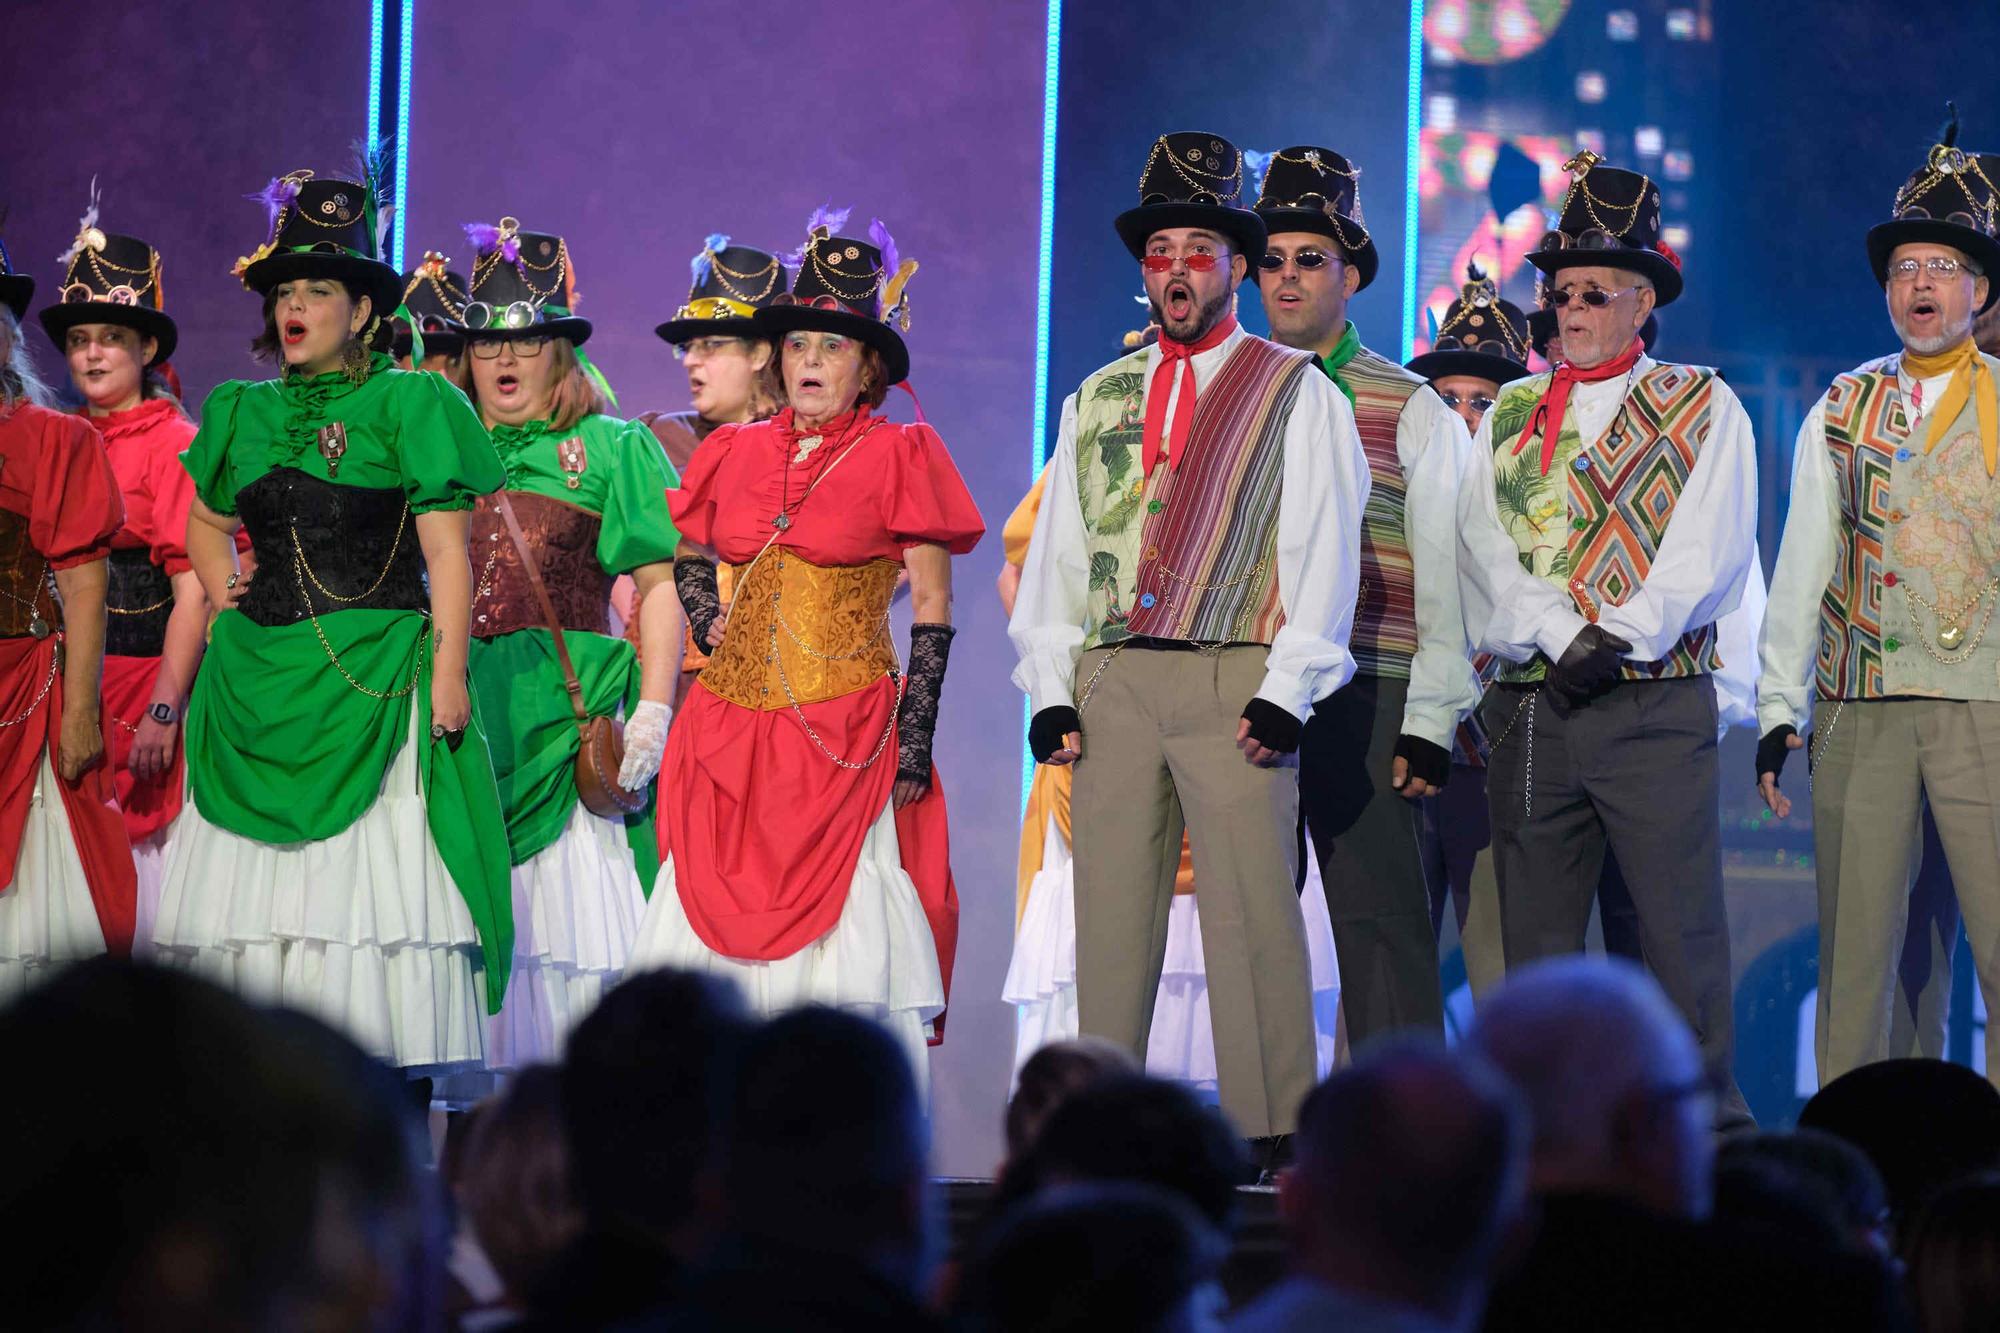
(694,580)
(1272,727)
(1048,728)
(1427,761)
(923,685)
(1589,666)
(1771,752)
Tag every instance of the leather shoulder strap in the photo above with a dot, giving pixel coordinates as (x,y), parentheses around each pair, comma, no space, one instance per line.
(570,682)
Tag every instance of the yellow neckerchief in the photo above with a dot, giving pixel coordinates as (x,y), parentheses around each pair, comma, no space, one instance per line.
(1968,371)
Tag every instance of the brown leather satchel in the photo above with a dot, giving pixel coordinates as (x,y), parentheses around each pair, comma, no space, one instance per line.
(602,747)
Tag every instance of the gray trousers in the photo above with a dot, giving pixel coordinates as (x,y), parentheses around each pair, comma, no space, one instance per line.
(1160,758)
(1633,771)
(1876,765)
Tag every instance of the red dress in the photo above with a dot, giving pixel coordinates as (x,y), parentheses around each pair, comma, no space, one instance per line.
(54,476)
(144,445)
(765,830)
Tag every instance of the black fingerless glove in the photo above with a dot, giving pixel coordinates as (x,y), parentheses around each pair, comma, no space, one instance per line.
(923,686)
(1048,728)
(1590,664)
(1771,752)
(694,580)
(1272,727)
(1430,762)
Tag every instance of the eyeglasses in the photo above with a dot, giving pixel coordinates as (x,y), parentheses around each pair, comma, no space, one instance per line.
(1942,267)
(79,293)
(1199,261)
(515,315)
(1594,297)
(1306,261)
(1198,197)
(1480,402)
(1918,213)
(486,349)
(1590,238)
(704,347)
(1490,347)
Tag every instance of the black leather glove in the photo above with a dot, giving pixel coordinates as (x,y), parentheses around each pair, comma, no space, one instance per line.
(1272,727)
(1430,762)
(1048,728)
(1589,666)
(1771,752)
(923,686)
(694,580)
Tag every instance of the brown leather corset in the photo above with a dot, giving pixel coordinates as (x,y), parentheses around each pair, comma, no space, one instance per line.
(803,633)
(564,540)
(25,600)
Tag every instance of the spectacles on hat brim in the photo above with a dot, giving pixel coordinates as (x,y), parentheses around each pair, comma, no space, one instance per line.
(513,315)
(1206,197)
(1957,217)
(1451,342)
(1590,238)
(81,293)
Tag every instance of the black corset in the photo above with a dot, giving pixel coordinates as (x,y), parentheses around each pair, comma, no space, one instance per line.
(347,534)
(137,603)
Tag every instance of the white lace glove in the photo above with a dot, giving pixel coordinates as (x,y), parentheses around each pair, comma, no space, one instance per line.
(645,744)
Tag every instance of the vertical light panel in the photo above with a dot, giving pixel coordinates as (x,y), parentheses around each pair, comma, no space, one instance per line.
(1044,266)
(403,133)
(1413,146)
(374,70)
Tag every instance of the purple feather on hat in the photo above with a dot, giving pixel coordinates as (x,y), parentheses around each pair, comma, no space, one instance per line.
(276,198)
(716,243)
(878,235)
(826,215)
(485,238)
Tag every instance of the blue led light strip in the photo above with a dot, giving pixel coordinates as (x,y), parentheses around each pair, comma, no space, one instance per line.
(402,182)
(398,183)
(1044,267)
(374,69)
(1412,148)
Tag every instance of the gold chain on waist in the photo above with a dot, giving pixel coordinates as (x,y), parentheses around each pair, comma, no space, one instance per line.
(300,571)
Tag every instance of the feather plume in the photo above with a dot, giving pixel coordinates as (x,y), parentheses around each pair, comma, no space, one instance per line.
(1474,273)
(83,226)
(1255,164)
(826,215)
(716,243)
(276,198)
(1431,319)
(371,157)
(879,237)
(383,223)
(1948,136)
(484,236)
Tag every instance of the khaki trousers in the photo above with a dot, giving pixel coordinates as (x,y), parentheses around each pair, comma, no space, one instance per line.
(1877,764)
(1160,758)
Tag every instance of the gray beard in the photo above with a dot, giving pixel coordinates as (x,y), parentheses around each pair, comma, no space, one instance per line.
(1205,318)
(1932,346)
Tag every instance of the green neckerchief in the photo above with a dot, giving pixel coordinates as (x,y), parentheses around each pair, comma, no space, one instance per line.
(1342,353)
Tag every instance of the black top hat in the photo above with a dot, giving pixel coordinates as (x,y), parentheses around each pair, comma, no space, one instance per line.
(523,285)
(731,284)
(1317,190)
(1482,335)
(1949,200)
(110,279)
(434,297)
(1610,219)
(851,286)
(16,289)
(322,229)
(1192,179)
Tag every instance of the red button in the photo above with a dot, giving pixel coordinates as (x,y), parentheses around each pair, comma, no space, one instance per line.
(1890,578)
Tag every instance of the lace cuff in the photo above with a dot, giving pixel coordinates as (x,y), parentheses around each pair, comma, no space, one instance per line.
(694,580)
(930,646)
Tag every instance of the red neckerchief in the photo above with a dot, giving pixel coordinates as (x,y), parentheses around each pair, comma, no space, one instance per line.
(142,415)
(1547,418)
(1156,399)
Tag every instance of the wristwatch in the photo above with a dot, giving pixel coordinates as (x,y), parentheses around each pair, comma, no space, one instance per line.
(163,714)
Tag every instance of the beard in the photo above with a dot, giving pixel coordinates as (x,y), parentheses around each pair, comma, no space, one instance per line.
(1945,338)
(1203,318)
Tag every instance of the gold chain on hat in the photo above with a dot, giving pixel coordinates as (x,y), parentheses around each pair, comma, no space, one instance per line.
(1234,176)
(1579,169)
(1949,162)
(723,275)
(98,265)
(827,276)
(1481,296)
(1313,158)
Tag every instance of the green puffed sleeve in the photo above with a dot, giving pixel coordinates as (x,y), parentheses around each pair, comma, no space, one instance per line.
(447,461)
(637,528)
(207,455)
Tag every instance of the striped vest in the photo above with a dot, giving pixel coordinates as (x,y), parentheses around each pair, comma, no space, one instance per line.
(1190,553)
(1594,523)
(1385,612)
(1918,551)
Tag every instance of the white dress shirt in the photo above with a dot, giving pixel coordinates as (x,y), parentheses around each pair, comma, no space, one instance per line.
(1324,484)
(1432,446)
(1696,578)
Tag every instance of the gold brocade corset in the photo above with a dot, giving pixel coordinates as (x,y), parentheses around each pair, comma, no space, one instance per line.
(801,633)
(26,604)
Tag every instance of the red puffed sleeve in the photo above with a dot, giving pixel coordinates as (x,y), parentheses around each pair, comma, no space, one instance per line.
(74,506)
(693,502)
(924,500)
(172,490)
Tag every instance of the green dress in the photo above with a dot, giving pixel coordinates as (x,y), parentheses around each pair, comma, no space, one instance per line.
(292,727)
(623,480)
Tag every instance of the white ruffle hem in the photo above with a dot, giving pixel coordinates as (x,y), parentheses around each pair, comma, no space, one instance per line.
(47,918)
(149,861)
(1041,976)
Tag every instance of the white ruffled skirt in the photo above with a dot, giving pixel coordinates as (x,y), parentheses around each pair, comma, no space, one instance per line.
(1041,977)
(47,918)
(577,905)
(149,859)
(878,960)
(365,929)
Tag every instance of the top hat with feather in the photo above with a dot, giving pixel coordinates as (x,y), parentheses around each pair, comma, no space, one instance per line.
(326,228)
(849,285)
(731,284)
(1483,335)
(109,278)
(1610,219)
(523,285)
(1950,200)
(1192,179)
